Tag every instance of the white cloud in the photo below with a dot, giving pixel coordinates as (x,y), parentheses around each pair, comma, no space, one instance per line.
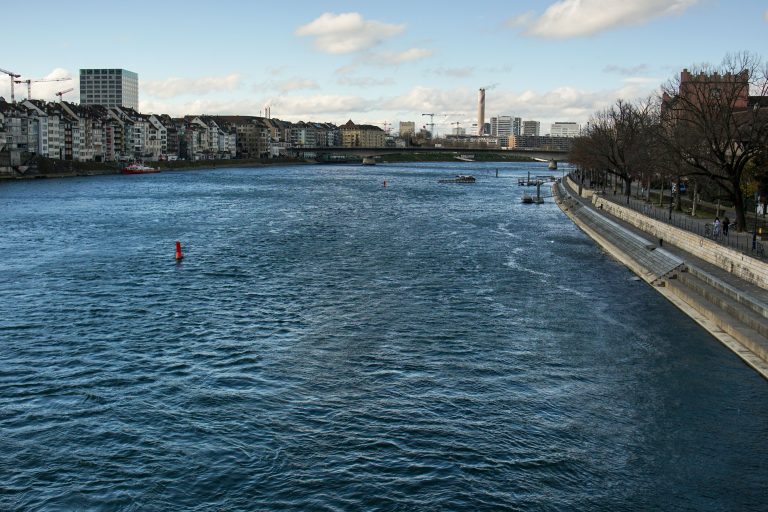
(336,106)
(449,105)
(427,99)
(196,107)
(394,59)
(290,108)
(626,70)
(559,104)
(173,87)
(365,81)
(574,18)
(347,32)
(297,84)
(384,59)
(520,20)
(455,72)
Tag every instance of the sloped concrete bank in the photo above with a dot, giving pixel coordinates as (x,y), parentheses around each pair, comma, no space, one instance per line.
(733,310)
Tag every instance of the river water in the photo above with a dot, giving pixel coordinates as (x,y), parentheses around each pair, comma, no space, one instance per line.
(329,343)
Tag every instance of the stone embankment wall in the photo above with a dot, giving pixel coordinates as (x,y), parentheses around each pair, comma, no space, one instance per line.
(740,265)
(585,192)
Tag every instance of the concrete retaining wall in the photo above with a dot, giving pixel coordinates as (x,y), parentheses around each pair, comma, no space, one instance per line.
(744,267)
(585,192)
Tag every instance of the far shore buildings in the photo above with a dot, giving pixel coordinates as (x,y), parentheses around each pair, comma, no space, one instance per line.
(107,127)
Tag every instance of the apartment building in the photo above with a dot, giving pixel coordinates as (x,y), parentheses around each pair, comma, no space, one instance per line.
(540,142)
(362,135)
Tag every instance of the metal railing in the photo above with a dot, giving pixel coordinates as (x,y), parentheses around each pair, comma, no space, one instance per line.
(747,241)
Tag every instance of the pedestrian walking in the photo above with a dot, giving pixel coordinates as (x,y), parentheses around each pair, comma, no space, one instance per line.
(716,228)
(726,223)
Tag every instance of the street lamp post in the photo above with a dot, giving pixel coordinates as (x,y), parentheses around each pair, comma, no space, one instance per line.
(671,195)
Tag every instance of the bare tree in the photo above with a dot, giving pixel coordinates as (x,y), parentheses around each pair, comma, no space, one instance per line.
(620,140)
(715,121)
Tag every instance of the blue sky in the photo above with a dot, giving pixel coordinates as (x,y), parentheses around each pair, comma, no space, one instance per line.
(377,62)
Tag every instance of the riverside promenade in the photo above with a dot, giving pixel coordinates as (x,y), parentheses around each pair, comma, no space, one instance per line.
(749,241)
(723,289)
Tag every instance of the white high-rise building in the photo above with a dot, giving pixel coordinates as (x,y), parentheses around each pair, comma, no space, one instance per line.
(109,88)
(567,129)
(531,128)
(501,126)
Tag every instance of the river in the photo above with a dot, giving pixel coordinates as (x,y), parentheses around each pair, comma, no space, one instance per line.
(329,343)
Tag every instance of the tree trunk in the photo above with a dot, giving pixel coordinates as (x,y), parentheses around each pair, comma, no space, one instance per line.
(738,205)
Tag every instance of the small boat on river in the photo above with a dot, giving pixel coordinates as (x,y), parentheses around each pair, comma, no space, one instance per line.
(137,168)
(529,199)
(461,178)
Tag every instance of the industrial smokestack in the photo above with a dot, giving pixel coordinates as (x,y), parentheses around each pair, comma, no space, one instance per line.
(481,112)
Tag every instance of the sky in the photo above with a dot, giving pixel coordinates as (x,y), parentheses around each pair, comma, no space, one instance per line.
(378,62)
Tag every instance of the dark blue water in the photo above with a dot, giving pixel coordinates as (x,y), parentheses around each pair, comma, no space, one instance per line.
(331,344)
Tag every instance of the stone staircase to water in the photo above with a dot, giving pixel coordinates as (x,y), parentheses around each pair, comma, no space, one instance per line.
(650,261)
(737,313)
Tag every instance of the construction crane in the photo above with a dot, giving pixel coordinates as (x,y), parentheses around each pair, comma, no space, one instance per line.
(29,83)
(62,93)
(431,123)
(13,77)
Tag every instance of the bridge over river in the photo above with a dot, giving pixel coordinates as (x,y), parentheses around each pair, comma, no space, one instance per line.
(328,152)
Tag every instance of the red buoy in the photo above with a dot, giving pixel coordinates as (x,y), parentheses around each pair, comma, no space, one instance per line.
(179,256)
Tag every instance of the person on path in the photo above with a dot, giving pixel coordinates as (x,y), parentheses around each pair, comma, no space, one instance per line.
(716,227)
(726,223)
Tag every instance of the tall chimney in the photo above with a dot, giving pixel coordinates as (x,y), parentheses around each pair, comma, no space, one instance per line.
(481,112)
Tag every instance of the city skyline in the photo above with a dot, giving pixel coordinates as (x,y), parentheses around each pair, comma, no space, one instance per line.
(546,61)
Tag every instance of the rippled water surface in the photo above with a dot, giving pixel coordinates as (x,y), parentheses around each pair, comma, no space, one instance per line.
(332,344)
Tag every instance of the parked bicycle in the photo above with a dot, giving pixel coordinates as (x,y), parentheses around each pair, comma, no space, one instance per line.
(712,231)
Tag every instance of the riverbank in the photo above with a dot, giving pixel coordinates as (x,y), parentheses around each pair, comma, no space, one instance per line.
(68,169)
(724,292)
(65,169)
